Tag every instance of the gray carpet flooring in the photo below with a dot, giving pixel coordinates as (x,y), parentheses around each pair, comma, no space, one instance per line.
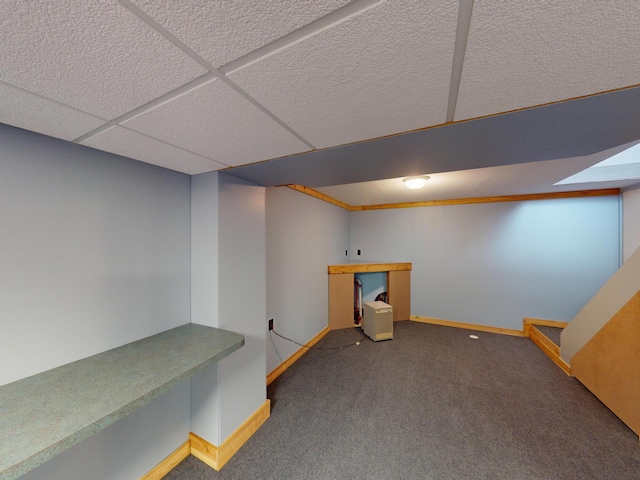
(430,404)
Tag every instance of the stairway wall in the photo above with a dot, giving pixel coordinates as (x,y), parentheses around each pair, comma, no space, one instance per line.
(601,308)
(609,364)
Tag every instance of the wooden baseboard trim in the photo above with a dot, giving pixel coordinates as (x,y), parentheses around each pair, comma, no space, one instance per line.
(169,463)
(217,457)
(468,326)
(526,322)
(542,338)
(319,195)
(294,358)
(550,349)
(204,451)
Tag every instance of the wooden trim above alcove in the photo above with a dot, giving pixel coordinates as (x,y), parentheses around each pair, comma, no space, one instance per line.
(457,201)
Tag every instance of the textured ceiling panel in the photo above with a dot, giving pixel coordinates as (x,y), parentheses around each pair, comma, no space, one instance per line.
(382,71)
(122,141)
(524,53)
(26,110)
(217,122)
(223,31)
(95,56)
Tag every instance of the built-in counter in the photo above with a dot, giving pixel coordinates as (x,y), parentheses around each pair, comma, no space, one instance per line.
(44,415)
(341,290)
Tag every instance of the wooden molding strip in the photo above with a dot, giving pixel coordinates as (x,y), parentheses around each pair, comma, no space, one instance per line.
(294,358)
(368,267)
(468,326)
(319,195)
(506,198)
(542,338)
(527,322)
(217,457)
(243,433)
(203,450)
(457,201)
(549,348)
(169,463)
(545,323)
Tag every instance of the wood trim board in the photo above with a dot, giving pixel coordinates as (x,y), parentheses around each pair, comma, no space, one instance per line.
(169,463)
(527,322)
(321,196)
(217,457)
(550,349)
(368,267)
(468,326)
(457,201)
(294,358)
(497,199)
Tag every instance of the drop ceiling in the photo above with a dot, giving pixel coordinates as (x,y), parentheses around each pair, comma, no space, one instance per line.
(492,96)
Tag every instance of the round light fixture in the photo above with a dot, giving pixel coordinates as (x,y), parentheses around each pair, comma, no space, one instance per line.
(415,182)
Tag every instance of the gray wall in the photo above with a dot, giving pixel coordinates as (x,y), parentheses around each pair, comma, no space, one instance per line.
(304,236)
(601,308)
(94,253)
(126,449)
(205,413)
(228,291)
(493,264)
(631,221)
(242,282)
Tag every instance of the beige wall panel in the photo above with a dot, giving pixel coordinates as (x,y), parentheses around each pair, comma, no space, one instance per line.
(399,288)
(609,364)
(340,301)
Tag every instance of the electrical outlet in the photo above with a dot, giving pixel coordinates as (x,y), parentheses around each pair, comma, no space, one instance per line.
(271,324)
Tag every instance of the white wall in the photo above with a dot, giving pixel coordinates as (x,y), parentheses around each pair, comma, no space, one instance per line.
(228,291)
(242,281)
(128,448)
(304,236)
(630,221)
(493,264)
(94,253)
(205,404)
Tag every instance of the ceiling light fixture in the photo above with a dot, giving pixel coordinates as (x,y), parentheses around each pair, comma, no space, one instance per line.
(415,183)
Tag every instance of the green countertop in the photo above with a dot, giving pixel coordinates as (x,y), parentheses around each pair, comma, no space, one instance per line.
(44,415)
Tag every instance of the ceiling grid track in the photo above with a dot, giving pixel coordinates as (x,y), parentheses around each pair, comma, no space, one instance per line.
(306,31)
(465,10)
(310,29)
(213,72)
(148,106)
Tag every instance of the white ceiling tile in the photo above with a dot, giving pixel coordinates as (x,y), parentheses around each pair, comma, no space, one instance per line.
(94,56)
(522,54)
(31,112)
(223,31)
(216,121)
(382,71)
(127,143)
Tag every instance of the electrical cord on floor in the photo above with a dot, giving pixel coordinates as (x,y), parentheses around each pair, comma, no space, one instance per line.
(320,348)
